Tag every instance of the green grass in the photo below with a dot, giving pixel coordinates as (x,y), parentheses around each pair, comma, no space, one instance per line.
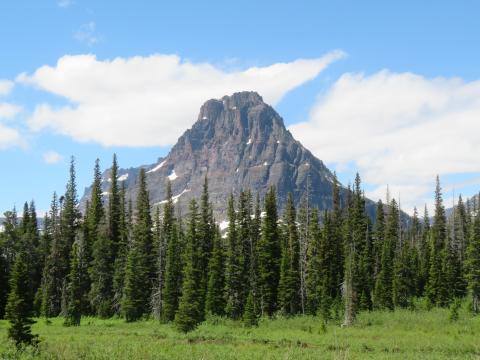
(376,335)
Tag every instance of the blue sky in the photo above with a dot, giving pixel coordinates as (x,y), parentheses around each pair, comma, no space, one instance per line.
(388,48)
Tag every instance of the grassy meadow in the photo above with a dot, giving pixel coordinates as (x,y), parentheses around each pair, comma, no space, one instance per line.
(401,334)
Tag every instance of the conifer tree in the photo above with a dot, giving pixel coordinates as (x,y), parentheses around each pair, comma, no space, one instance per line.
(303,214)
(384,283)
(233,266)
(424,254)
(244,228)
(473,264)
(160,254)
(337,238)
(121,253)
(255,233)
(101,274)
(115,210)
(100,244)
(173,261)
(289,284)
(77,283)
(3,279)
(56,264)
(70,214)
(313,274)
(250,316)
(10,240)
(139,273)
(19,309)
(215,301)
(437,286)
(269,256)
(378,238)
(206,230)
(189,313)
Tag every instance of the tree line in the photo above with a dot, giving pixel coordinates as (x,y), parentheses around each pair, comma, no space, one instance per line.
(137,261)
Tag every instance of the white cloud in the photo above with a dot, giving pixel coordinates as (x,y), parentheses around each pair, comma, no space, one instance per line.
(52,157)
(87,34)
(5,87)
(8,111)
(64,3)
(397,128)
(149,101)
(10,137)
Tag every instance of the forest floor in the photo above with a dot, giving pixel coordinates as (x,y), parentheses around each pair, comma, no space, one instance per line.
(401,334)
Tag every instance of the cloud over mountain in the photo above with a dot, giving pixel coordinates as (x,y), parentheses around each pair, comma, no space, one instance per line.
(146,101)
(397,128)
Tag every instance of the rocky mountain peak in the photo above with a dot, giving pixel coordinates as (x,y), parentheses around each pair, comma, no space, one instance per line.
(238,142)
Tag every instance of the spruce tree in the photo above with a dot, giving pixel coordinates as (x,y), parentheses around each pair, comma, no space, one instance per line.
(189,312)
(313,271)
(250,316)
(140,272)
(56,264)
(437,286)
(383,294)
(215,301)
(173,261)
(160,254)
(289,284)
(337,239)
(77,283)
(70,215)
(206,230)
(10,241)
(19,309)
(233,266)
(269,256)
(121,254)
(473,264)
(115,210)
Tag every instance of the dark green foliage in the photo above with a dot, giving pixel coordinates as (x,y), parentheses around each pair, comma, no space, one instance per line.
(313,274)
(19,309)
(215,301)
(206,229)
(56,264)
(473,264)
(115,208)
(289,284)
(121,254)
(189,311)
(70,215)
(250,316)
(140,271)
(101,275)
(437,286)
(268,250)
(77,283)
(384,283)
(173,261)
(234,285)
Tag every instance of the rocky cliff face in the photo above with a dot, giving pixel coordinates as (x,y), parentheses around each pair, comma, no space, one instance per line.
(238,142)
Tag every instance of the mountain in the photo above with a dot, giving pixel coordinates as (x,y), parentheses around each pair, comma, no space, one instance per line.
(238,142)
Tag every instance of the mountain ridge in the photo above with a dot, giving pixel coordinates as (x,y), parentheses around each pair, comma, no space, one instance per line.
(238,142)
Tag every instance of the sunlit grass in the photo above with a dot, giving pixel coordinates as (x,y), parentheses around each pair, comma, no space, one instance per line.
(401,334)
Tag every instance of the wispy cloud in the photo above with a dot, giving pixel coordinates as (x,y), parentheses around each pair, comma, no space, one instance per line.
(6,87)
(150,101)
(9,111)
(52,157)
(87,34)
(397,128)
(64,3)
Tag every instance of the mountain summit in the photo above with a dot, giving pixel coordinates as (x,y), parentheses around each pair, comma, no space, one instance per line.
(238,142)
